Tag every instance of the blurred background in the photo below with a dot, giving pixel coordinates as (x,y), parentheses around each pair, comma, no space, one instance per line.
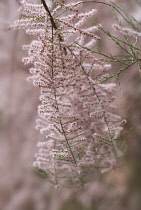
(21,188)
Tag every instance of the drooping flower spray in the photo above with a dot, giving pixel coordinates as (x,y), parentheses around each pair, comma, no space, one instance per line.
(76,113)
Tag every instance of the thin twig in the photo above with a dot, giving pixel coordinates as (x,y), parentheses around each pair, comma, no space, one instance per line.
(52,22)
(49,13)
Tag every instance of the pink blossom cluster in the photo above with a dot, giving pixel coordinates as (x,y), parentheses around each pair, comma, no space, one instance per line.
(126,31)
(76,114)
